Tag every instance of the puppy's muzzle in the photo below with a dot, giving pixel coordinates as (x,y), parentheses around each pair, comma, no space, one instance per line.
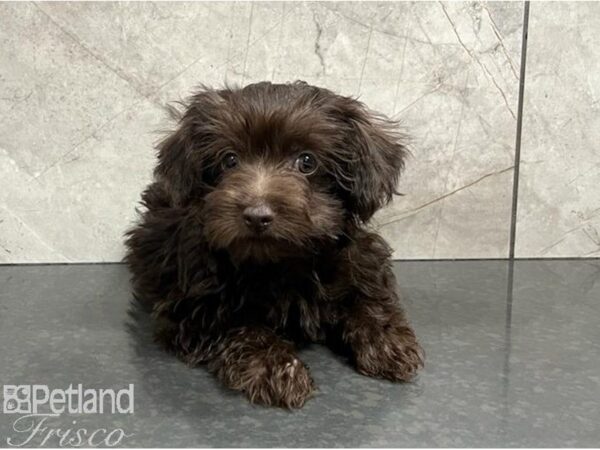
(259,217)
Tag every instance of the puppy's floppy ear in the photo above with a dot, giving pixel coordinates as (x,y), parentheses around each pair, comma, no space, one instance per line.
(379,151)
(182,154)
(173,169)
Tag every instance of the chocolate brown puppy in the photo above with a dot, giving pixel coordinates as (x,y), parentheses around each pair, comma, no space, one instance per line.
(252,240)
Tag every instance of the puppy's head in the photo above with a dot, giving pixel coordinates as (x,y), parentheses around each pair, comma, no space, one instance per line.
(277,170)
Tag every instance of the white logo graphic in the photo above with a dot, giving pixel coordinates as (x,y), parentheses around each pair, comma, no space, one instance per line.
(17,399)
(35,404)
(36,398)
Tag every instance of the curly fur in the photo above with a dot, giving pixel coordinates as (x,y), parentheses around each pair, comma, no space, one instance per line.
(241,301)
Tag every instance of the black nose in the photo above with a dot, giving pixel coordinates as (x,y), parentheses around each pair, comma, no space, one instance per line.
(258,218)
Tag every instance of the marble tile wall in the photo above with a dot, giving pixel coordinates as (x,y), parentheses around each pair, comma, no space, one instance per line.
(83,85)
(559,189)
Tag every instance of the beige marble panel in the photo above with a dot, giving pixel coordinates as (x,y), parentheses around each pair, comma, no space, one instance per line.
(57,104)
(559,192)
(457,94)
(53,93)
(82,87)
(147,44)
(79,208)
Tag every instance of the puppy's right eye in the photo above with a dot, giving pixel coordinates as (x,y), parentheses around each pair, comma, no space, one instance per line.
(306,163)
(229,161)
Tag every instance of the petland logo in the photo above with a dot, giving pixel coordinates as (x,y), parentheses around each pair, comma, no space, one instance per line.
(37,403)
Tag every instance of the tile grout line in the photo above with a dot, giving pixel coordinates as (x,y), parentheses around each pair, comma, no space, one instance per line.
(517,164)
(515,200)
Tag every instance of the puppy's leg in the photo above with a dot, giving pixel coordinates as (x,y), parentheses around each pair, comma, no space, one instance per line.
(381,341)
(264,367)
(369,323)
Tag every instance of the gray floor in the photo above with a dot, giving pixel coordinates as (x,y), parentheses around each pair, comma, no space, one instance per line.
(505,366)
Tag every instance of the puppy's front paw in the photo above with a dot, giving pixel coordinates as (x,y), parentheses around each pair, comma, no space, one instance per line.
(393,355)
(286,384)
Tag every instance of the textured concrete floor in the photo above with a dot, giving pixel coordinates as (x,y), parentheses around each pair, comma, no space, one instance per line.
(511,361)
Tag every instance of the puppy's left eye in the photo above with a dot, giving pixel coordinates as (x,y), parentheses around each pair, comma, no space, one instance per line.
(306,163)
(229,161)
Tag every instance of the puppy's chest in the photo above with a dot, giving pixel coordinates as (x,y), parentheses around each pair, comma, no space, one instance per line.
(289,300)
